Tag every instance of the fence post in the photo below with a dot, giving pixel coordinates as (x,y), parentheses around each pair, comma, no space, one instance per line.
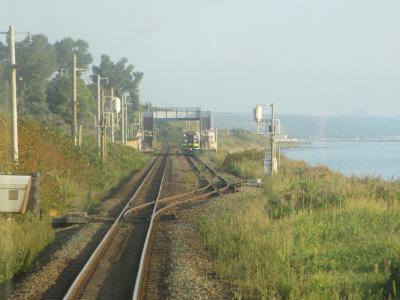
(34,198)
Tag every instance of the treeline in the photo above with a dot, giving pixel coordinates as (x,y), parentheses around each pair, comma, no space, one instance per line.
(44,79)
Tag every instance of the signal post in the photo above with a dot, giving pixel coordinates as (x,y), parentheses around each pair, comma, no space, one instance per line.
(270,159)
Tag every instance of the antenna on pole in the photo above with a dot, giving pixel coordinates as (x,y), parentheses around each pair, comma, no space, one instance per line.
(270,158)
(258,116)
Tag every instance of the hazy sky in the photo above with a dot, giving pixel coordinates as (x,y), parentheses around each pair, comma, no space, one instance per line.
(308,57)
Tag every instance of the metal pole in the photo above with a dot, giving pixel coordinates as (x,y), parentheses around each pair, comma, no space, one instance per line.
(34,199)
(216,139)
(80,135)
(273,165)
(123,119)
(103,129)
(11,40)
(98,113)
(74,102)
(112,115)
(126,122)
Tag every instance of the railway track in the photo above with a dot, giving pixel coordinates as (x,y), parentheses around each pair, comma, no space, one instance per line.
(118,267)
(111,269)
(149,284)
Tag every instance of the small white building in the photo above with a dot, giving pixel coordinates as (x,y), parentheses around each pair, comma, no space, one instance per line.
(14,193)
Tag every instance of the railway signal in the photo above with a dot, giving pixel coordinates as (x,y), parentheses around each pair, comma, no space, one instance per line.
(270,158)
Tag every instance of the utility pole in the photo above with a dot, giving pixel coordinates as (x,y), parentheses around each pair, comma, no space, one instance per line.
(112,115)
(98,112)
(123,119)
(126,121)
(103,130)
(11,40)
(274,162)
(74,100)
(11,44)
(99,78)
(74,103)
(80,135)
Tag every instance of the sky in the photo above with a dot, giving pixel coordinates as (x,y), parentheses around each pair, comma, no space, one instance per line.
(310,57)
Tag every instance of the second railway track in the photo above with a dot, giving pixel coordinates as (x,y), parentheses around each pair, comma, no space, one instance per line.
(149,282)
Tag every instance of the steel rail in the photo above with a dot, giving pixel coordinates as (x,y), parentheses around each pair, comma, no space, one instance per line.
(173,197)
(87,270)
(145,252)
(139,283)
(212,170)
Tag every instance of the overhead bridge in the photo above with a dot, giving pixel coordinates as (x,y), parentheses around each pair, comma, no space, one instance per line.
(150,119)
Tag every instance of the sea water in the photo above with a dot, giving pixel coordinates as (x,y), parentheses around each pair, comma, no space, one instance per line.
(379,158)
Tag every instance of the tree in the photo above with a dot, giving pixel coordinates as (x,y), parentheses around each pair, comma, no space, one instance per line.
(59,92)
(5,90)
(121,76)
(59,97)
(65,49)
(36,63)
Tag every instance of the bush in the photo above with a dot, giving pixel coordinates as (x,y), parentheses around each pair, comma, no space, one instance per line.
(72,178)
(245,164)
(310,233)
(22,238)
(312,254)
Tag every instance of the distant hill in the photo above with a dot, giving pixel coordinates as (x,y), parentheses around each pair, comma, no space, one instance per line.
(314,127)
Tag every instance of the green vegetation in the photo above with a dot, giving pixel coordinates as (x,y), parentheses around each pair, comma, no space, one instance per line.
(22,238)
(245,164)
(44,71)
(241,153)
(310,233)
(238,140)
(170,134)
(71,179)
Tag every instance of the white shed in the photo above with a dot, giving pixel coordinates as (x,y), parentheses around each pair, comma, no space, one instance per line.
(14,193)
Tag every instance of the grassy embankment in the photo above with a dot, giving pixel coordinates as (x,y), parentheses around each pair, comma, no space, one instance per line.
(244,149)
(237,144)
(310,233)
(239,140)
(71,179)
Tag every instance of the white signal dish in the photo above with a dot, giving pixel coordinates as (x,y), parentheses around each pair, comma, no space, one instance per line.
(116,105)
(258,113)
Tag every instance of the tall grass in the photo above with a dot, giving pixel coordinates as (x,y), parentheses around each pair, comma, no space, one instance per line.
(245,164)
(22,238)
(309,234)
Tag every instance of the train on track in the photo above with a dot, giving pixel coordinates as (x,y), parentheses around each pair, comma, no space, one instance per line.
(191,141)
